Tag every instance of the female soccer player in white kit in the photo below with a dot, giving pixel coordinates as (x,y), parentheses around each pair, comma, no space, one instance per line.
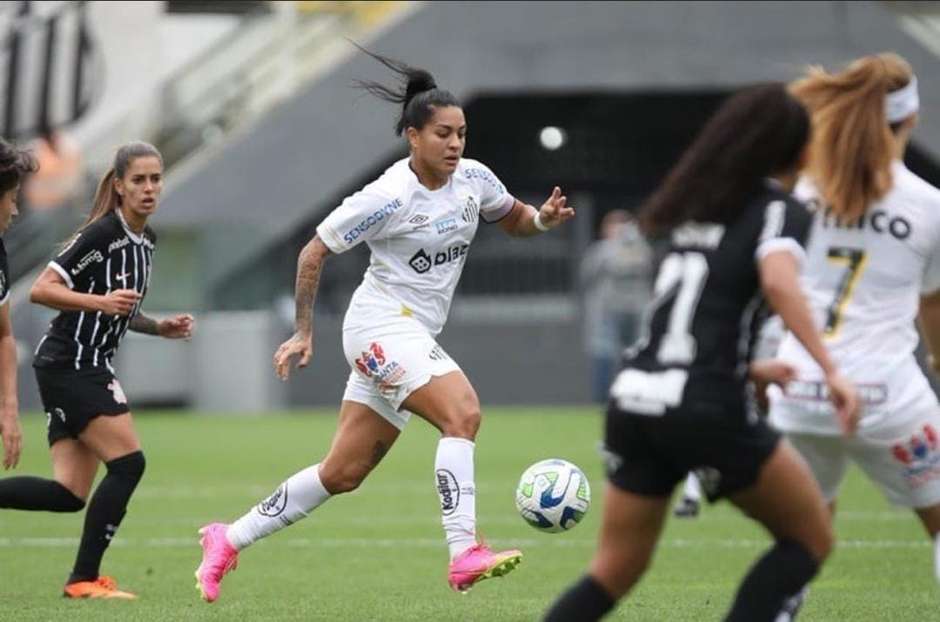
(873,267)
(418,219)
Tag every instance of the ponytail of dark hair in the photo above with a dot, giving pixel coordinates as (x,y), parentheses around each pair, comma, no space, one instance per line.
(756,133)
(417,92)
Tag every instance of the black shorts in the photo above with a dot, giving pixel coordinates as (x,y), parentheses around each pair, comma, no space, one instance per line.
(72,398)
(649,455)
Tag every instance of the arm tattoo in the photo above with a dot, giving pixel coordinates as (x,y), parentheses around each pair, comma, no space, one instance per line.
(143,324)
(309,267)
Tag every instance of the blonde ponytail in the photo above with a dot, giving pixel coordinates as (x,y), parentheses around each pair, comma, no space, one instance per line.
(852,144)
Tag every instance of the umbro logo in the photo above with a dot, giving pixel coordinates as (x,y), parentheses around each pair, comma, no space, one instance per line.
(418,219)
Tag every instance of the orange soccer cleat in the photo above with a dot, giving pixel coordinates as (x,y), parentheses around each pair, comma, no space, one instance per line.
(102,587)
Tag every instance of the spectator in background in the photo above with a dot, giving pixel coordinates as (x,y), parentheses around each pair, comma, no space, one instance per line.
(615,280)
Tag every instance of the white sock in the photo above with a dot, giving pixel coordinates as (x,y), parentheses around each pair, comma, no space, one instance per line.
(299,495)
(453,469)
(936,556)
(692,489)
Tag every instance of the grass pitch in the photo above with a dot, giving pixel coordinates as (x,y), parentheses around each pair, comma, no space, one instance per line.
(379,553)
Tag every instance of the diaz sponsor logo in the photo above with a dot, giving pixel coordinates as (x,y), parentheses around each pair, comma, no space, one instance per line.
(94,256)
(376,217)
(421,261)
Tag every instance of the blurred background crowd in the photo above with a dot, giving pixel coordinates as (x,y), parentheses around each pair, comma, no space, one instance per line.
(251,104)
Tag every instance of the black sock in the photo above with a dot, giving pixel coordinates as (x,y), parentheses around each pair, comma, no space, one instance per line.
(585,600)
(782,572)
(36,493)
(105,511)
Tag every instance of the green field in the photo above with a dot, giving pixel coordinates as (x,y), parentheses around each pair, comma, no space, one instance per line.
(378,553)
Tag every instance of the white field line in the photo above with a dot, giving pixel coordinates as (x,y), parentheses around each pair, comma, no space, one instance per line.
(404,543)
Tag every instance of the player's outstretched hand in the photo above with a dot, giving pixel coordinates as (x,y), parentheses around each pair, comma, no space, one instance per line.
(12,439)
(297,345)
(555,210)
(119,302)
(177,327)
(845,400)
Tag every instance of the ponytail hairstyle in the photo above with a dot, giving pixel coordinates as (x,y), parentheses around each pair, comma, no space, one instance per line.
(417,92)
(106,197)
(759,132)
(853,143)
(15,164)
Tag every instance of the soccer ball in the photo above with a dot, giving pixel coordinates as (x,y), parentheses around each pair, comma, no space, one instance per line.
(553,495)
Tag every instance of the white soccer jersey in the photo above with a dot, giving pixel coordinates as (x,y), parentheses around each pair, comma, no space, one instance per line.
(419,239)
(864,283)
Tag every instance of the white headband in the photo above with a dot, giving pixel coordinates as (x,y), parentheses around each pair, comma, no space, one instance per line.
(902,103)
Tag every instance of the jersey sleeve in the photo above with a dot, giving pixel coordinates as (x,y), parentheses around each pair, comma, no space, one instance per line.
(495,200)
(930,281)
(785,227)
(85,250)
(360,217)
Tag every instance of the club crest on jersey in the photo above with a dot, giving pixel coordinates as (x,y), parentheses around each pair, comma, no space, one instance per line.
(920,456)
(470,211)
(115,388)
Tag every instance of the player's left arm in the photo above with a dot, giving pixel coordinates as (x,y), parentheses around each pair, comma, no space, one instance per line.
(928,319)
(9,404)
(179,326)
(525,220)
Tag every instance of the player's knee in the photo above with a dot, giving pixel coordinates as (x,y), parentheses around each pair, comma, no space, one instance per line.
(130,467)
(346,478)
(463,421)
(819,543)
(68,501)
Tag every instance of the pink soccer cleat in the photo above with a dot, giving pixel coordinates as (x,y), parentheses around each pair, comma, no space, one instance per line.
(478,563)
(218,557)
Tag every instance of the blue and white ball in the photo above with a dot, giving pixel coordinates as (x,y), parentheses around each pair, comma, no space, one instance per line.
(553,495)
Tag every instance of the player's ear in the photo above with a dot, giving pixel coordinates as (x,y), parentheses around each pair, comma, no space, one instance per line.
(118,186)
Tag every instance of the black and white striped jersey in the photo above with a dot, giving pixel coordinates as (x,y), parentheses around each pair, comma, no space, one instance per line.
(698,330)
(103,257)
(4,275)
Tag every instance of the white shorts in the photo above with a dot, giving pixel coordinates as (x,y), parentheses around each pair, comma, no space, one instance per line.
(906,466)
(390,360)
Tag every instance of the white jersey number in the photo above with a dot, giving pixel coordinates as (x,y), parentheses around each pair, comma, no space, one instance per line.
(682,275)
(854,260)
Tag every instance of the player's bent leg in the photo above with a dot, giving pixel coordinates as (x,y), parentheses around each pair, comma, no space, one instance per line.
(73,467)
(630,528)
(362,438)
(450,404)
(113,441)
(930,519)
(787,501)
